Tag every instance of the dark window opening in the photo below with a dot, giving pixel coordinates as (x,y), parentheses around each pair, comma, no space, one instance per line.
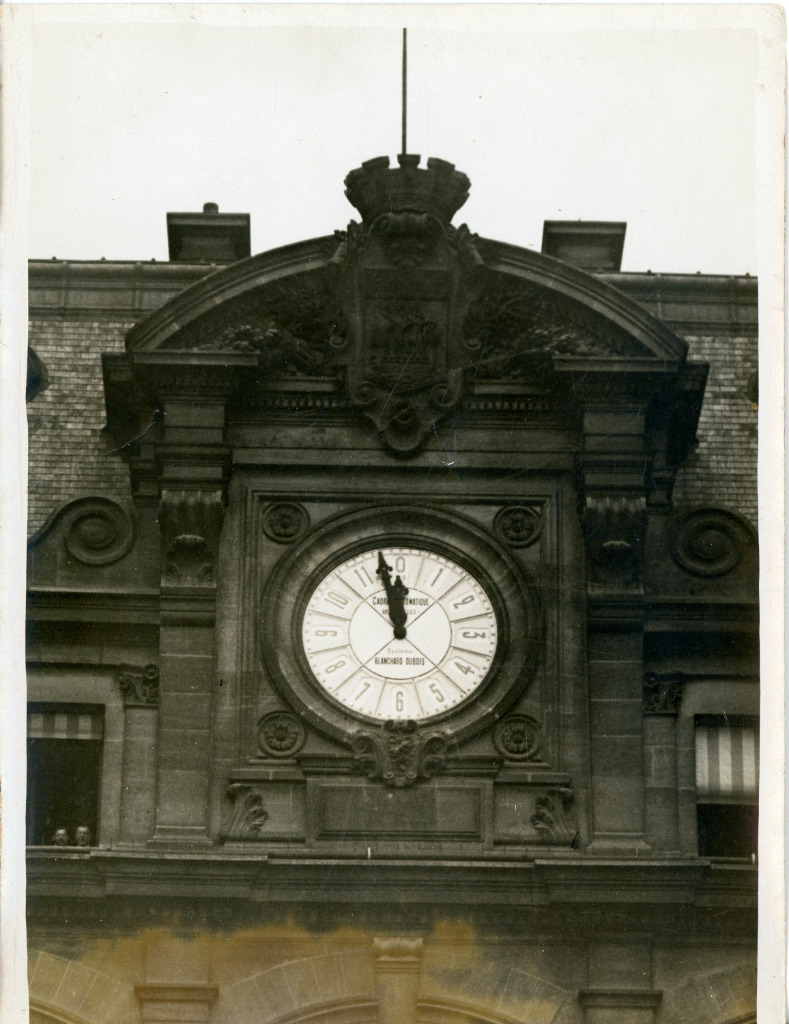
(63,791)
(728,830)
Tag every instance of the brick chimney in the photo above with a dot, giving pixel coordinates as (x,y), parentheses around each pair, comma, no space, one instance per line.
(210,236)
(593,245)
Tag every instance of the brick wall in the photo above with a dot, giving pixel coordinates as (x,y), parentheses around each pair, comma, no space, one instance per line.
(722,469)
(69,453)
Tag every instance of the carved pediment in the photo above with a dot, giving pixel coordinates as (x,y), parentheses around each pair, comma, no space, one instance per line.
(402,313)
(296,327)
(516,329)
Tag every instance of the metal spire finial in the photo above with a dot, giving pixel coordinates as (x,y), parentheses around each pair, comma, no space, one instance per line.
(405,91)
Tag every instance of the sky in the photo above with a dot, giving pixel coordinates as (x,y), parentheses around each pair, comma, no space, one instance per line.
(647,119)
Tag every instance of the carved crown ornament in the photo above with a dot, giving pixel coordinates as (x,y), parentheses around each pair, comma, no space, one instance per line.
(406,278)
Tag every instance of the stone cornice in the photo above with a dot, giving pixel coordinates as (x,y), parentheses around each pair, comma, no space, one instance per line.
(691,304)
(578,880)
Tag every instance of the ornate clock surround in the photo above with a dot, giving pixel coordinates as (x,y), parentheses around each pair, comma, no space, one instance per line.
(287,591)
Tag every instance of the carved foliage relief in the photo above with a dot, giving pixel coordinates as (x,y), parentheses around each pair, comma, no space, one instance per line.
(399,753)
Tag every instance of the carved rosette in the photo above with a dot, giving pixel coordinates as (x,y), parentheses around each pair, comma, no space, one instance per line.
(662,694)
(285,521)
(248,816)
(139,686)
(407,277)
(518,738)
(551,816)
(399,753)
(190,522)
(615,530)
(518,525)
(281,734)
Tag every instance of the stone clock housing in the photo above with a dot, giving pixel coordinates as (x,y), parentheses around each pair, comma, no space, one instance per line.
(401,654)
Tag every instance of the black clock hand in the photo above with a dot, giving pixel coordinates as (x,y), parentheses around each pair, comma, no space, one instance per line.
(395,594)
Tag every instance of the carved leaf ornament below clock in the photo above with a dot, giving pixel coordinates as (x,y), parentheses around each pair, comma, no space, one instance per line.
(397,632)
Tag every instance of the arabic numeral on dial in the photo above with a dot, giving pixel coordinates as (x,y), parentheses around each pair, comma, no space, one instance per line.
(433,687)
(399,700)
(465,669)
(338,600)
(436,577)
(399,564)
(362,692)
(473,634)
(325,632)
(335,665)
(464,600)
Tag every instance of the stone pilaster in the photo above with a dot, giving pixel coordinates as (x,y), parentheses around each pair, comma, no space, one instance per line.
(612,483)
(620,1006)
(620,985)
(140,689)
(398,965)
(176,1004)
(662,695)
(191,520)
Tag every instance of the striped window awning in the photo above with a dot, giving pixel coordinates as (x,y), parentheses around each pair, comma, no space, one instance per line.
(65,725)
(727,762)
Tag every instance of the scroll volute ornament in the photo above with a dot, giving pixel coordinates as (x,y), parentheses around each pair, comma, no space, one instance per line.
(407,278)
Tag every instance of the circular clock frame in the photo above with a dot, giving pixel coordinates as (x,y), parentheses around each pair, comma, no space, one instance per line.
(295,578)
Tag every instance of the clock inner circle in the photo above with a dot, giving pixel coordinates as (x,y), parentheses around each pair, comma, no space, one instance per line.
(399,633)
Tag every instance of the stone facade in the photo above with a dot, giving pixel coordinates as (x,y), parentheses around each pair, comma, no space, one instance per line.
(212,443)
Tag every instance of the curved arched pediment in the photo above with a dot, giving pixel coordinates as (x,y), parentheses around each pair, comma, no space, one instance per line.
(406,315)
(287,303)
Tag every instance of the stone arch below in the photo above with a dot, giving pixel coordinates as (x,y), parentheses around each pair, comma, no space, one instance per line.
(713,997)
(67,992)
(384,984)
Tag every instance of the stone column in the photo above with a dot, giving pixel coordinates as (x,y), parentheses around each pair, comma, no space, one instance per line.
(140,689)
(398,964)
(662,695)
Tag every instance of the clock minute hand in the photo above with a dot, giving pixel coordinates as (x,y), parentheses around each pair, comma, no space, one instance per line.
(395,594)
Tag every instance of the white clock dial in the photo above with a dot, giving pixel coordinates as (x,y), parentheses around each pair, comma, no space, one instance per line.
(399,633)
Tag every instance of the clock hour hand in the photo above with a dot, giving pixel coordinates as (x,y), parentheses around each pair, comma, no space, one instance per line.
(395,594)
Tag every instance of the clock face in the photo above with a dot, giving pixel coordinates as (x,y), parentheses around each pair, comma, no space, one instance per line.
(399,633)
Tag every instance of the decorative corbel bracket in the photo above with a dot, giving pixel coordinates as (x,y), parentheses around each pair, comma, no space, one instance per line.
(139,686)
(399,754)
(662,693)
(615,530)
(191,521)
